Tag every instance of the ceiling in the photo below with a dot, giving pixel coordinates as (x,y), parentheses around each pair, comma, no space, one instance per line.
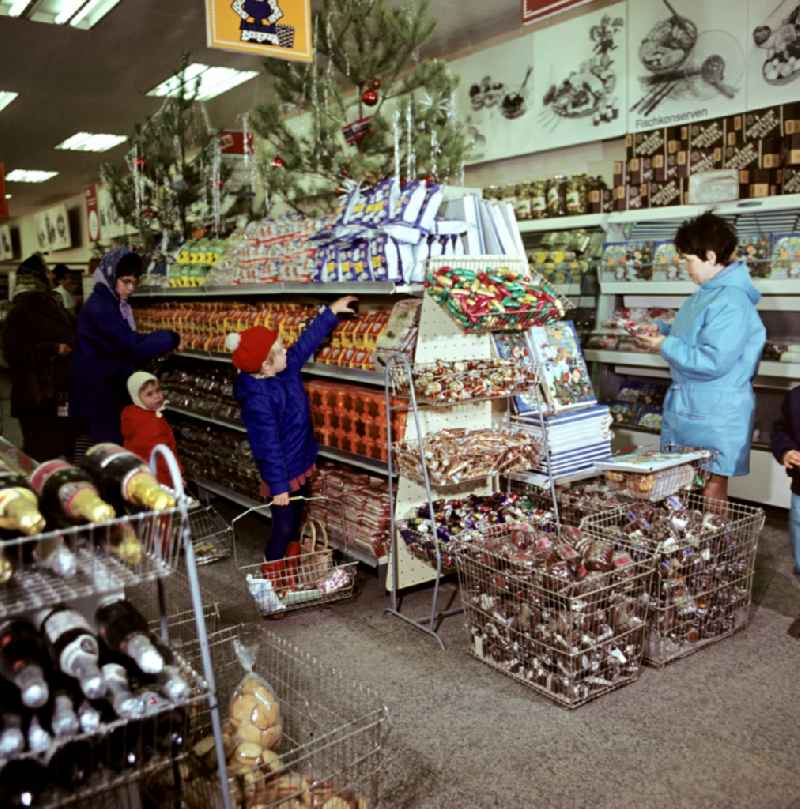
(70,80)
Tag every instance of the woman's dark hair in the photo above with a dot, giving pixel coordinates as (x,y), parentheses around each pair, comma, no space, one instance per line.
(129,264)
(707,232)
(60,272)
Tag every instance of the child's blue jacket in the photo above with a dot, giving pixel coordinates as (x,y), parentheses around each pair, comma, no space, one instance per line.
(276,412)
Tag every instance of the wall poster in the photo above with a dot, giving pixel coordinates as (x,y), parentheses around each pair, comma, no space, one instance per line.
(773,65)
(6,250)
(495,99)
(52,229)
(579,79)
(686,61)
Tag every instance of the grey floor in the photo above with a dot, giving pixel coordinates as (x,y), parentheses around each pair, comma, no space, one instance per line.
(717,730)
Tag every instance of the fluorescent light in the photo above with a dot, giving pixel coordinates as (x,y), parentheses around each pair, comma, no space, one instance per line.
(14,8)
(87,142)
(29,176)
(8,196)
(6,97)
(68,8)
(213,81)
(92,13)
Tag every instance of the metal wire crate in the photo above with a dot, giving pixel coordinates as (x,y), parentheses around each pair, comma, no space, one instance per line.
(572,641)
(703,585)
(212,535)
(107,557)
(333,740)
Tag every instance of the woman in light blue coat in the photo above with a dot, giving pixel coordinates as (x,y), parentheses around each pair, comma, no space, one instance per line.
(713,349)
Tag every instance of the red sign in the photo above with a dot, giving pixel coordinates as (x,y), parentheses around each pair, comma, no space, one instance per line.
(535,10)
(232,142)
(3,201)
(92,213)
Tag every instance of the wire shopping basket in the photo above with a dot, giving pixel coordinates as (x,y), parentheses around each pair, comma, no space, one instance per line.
(323,746)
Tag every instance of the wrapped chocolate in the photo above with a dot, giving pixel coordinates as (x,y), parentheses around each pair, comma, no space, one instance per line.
(455,455)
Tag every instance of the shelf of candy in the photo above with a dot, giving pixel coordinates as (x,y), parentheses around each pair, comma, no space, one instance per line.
(495,298)
(297,734)
(355,511)
(203,326)
(556,196)
(215,454)
(639,404)
(564,613)
(619,332)
(448,383)
(209,393)
(90,698)
(454,456)
(704,576)
(463,519)
(353,342)
(565,256)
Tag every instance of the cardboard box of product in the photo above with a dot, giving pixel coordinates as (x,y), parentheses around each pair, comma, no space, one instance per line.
(706,142)
(742,157)
(791,150)
(761,124)
(764,183)
(640,170)
(662,195)
(734,132)
(791,118)
(620,201)
(649,144)
(638,197)
(790,181)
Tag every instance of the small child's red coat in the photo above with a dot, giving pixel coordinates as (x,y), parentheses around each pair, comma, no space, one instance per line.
(141,431)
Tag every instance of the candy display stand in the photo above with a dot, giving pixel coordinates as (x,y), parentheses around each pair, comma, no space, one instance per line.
(440,340)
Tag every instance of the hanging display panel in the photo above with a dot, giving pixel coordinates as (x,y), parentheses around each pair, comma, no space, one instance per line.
(495,100)
(686,61)
(773,65)
(579,79)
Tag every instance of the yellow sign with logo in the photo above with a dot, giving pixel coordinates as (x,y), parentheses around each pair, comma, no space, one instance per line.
(275,28)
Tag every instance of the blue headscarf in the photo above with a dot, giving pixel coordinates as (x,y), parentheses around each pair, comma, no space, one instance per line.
(106,274)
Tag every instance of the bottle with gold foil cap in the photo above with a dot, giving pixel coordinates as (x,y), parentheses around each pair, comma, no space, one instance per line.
(19,509)
(68,496)
(124,480)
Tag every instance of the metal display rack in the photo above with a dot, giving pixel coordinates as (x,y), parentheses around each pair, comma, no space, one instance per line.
(103,568)
(440,339)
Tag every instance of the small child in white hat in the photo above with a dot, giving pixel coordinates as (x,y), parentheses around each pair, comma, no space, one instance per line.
(143,424)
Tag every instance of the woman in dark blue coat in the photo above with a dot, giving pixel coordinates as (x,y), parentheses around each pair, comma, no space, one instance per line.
(109,349)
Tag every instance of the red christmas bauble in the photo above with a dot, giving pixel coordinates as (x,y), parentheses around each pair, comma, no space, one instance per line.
(375,84)
(370,97)
(139,162)
(278,162)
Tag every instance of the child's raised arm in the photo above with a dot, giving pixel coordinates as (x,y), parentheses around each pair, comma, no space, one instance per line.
(316,331)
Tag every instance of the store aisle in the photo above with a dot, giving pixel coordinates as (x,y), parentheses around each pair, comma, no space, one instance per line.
(718,730)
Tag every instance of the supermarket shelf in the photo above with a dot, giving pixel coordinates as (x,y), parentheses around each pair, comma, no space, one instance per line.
(766,286)
(369,464)
(347,374)
(280,288)
(591,220)
(311,368)
(230,494)
(354,551)
(767,368)
(542,481)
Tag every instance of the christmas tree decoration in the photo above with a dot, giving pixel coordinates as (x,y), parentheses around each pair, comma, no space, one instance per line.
(369,97)
(278,162)
(363,64)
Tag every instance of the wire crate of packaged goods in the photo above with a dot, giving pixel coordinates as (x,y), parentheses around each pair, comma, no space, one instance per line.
(323,745)
(702,589)
(572,629)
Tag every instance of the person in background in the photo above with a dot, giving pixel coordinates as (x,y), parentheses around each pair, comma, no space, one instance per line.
(143,424)
(109,348)
(713,349)
(786,449)
(275,411)
(37,341)
(65,287)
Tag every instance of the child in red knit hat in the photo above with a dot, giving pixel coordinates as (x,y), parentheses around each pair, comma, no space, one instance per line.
(143,425)
(276,413)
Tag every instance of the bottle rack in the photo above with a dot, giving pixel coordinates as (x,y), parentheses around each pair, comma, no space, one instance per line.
(163,537)
(440,338)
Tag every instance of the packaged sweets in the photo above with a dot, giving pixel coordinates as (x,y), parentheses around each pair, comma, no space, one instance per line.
(786,256)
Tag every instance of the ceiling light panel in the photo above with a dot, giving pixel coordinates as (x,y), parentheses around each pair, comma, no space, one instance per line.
(92,13)
(213,81)
(29,176)
(88,142)
(54,11)
(6,97)
(13,8)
